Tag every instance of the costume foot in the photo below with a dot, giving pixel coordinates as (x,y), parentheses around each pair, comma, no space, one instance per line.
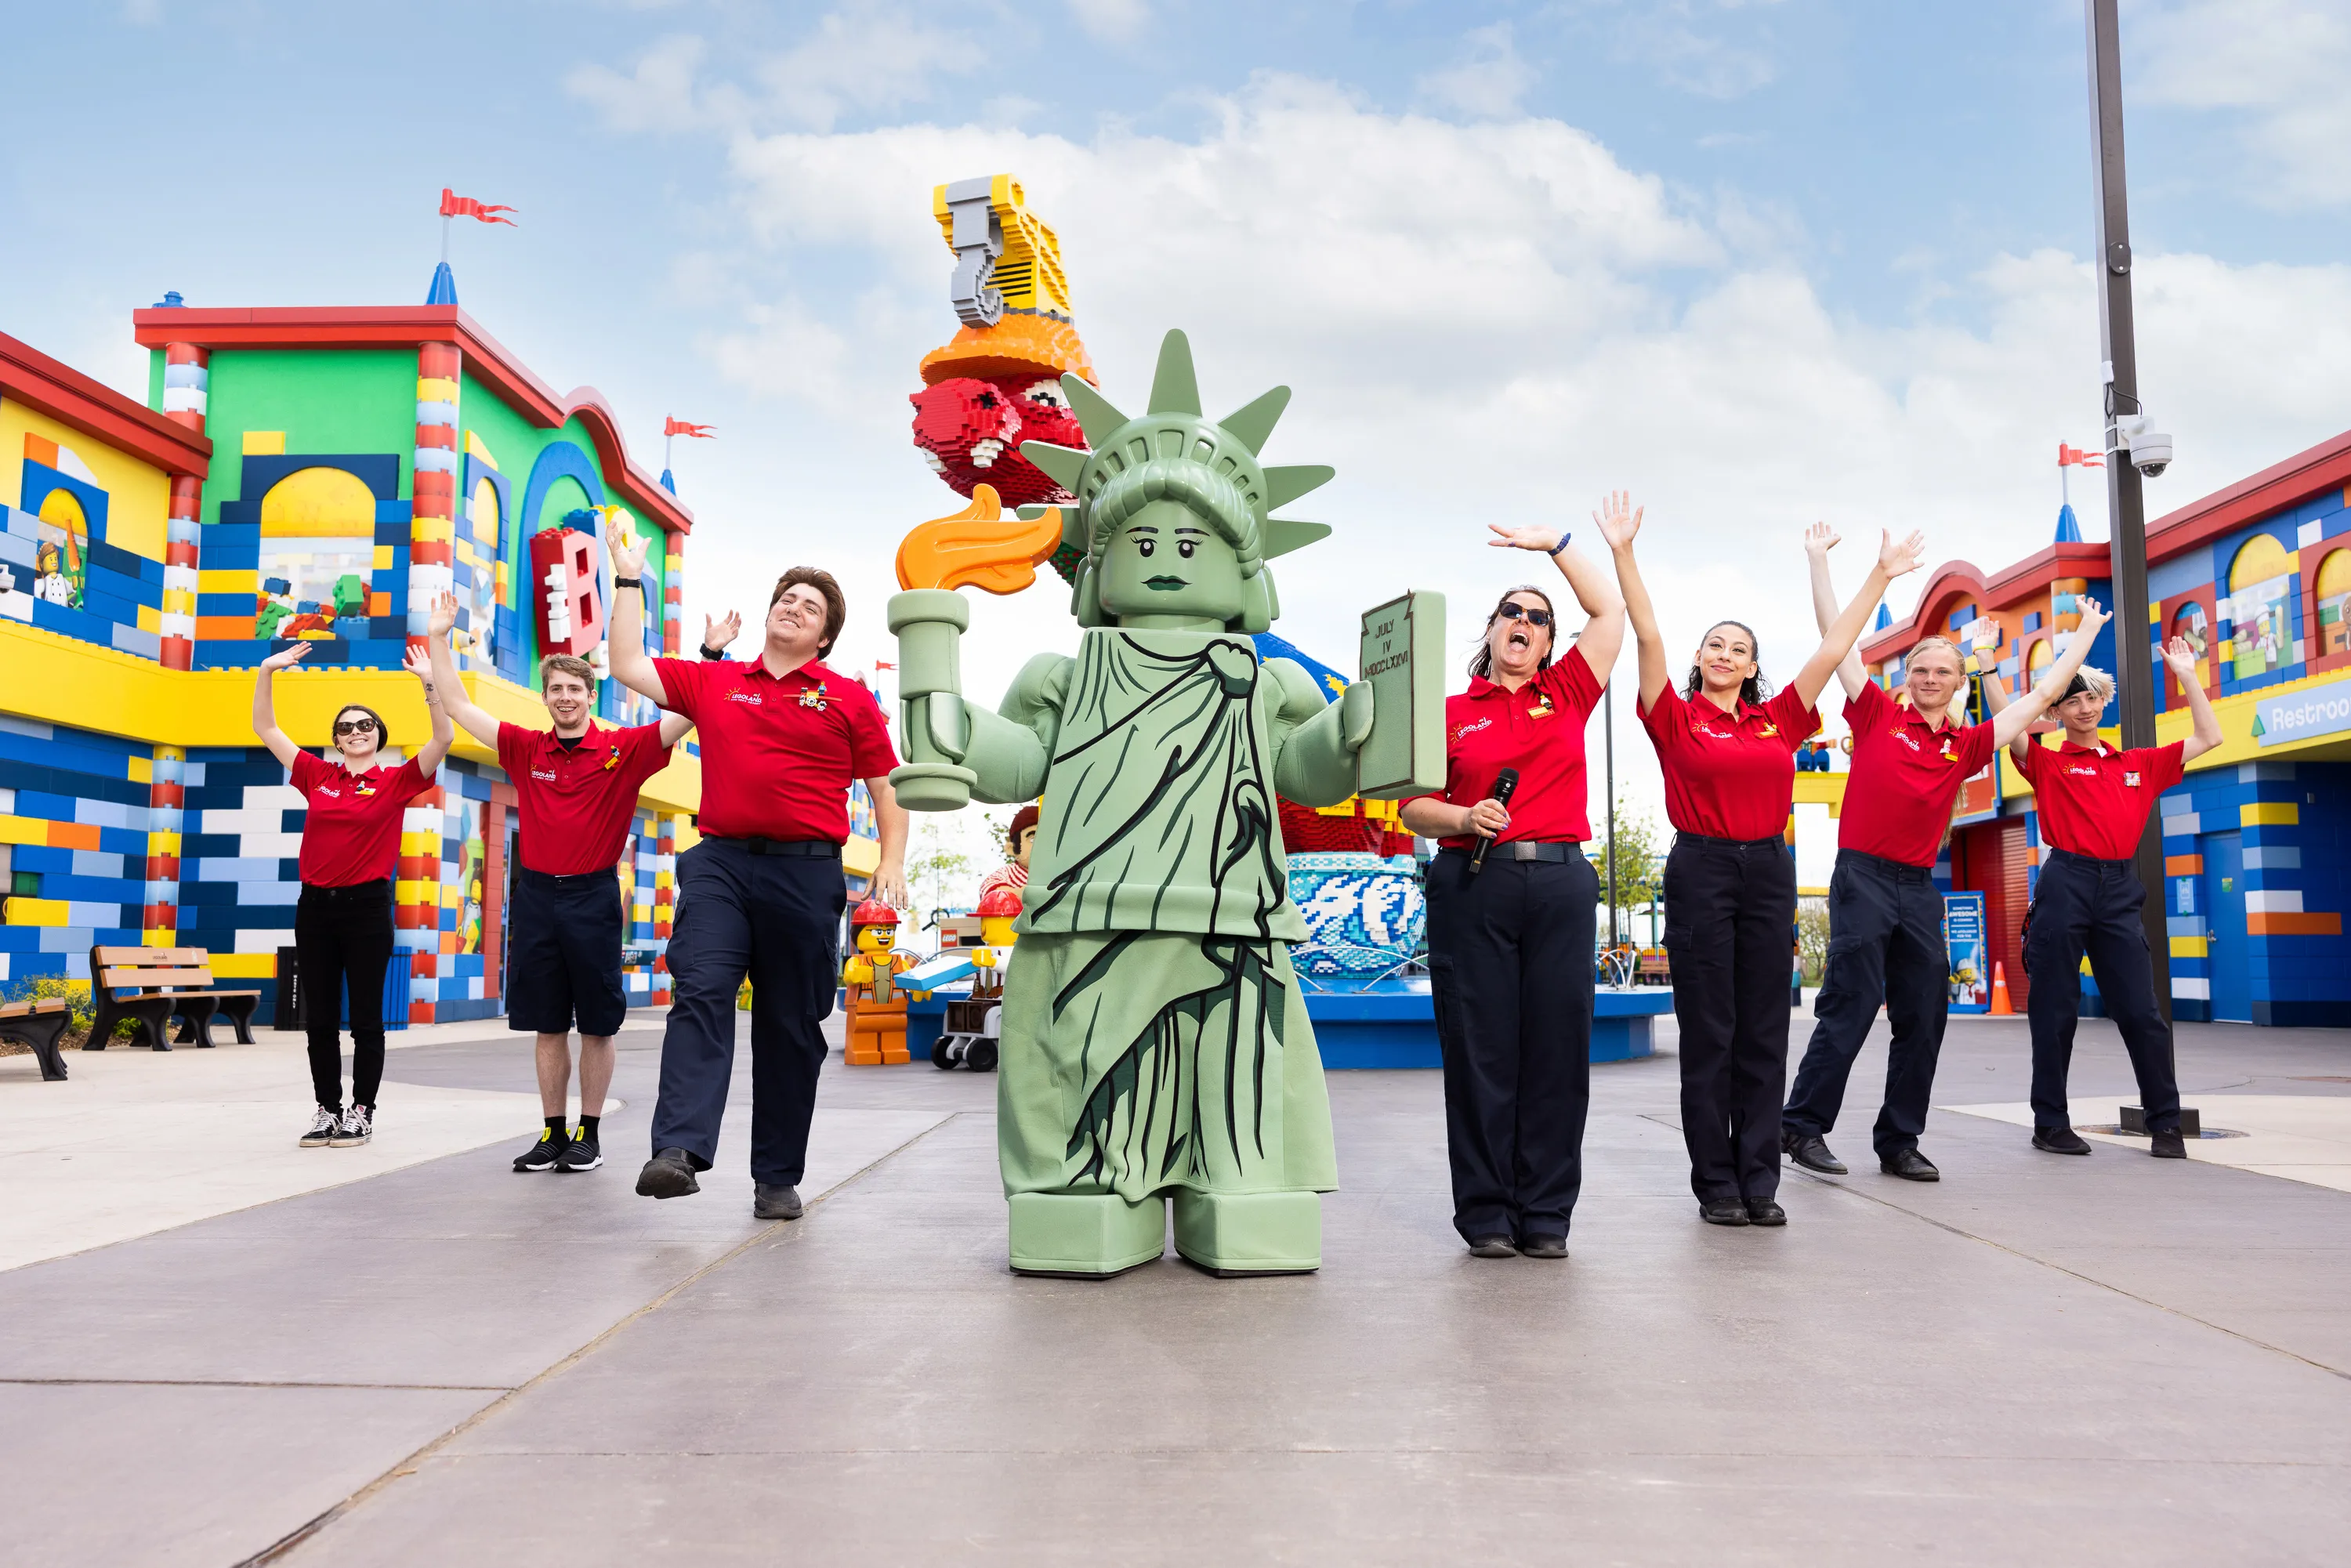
(1085,1236)
(669,1173)
(1910,1165)
(1551,1249)
(775,1200)
(1723,1211)
(1764,1211)
(1811,1151)
(1231,1233)
(1492,1247)
(2059,1140)
(2170,1145)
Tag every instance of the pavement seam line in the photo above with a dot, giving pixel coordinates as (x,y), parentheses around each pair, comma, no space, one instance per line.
(277,1549)
(245,1383)
(1965,1234)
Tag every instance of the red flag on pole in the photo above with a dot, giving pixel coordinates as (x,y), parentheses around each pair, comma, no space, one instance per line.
(454,205)
(672,425)
(2074,457)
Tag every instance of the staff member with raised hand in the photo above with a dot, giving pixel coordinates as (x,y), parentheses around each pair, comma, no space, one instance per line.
(1509,946)
(342,921)
(761,895)
(1885,916)
(1728,756)
(2094,803)
(575,791)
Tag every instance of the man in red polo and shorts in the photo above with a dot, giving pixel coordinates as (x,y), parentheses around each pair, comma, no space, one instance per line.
(575,791)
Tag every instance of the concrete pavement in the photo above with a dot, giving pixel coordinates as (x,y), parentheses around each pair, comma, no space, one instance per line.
(2110,1359)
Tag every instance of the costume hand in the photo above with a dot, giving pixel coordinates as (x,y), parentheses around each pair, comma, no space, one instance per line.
(1543,540)
(443,616)
(1898,559)
(2180,654)
(286,657)
(719,636)
(1489,817)
(1355,715)
(1820,538)
(628,560)
(1619,520)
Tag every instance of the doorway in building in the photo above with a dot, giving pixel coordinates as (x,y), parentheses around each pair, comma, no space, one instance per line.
(1989,858)
(2225,913)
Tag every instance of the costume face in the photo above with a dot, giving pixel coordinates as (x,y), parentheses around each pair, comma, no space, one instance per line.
(970,432)
(1167,562)
(996,930)
(1028,842)
(873,939)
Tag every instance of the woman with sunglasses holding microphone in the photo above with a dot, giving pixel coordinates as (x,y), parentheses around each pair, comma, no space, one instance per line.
(350,851)
(1509,938)
(1727,747)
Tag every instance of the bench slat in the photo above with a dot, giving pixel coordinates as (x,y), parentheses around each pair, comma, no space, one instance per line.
(27,1010)
(148,979)
(149,957)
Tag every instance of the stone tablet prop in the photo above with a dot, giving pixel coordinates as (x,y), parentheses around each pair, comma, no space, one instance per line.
(1406,752)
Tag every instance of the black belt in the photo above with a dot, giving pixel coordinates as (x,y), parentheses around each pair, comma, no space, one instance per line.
(815,849)
(1900,871)
(2056,855)
(1528,850)
(1774,843)
(380,888)
(561,879)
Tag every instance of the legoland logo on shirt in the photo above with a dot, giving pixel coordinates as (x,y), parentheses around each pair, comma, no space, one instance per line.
(2080,771)
(1904,736)
(547,776)
(739,696)
(1469,729)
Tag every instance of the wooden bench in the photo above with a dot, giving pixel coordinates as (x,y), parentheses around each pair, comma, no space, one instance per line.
(149,985)
(38,1024)
(1653,970)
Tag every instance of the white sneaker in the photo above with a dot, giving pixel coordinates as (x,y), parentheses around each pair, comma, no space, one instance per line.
(323,1128)
(358,1128)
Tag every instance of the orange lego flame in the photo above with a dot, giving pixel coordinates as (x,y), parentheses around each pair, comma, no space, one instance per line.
(978,547)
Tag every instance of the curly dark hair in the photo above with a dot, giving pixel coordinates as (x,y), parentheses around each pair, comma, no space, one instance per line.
(1755,691)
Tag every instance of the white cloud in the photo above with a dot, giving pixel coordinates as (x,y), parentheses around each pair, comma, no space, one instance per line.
(2279,66)
(1695,45)
(1111,21)
(1481,321)
(658,95)
(1487,81)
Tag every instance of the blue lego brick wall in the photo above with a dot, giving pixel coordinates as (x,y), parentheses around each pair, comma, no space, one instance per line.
(103,607)
(73,848)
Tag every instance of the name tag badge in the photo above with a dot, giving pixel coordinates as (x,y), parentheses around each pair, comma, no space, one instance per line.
(1768,730)
(1542,708)
(2131,780)
(813,697)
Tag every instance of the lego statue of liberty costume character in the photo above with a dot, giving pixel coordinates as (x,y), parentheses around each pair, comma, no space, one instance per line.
(1154,1040)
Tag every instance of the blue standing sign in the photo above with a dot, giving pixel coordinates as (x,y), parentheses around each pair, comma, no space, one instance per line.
(1963,935)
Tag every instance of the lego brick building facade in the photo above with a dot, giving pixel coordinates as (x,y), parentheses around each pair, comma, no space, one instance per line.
(310,475)
(2257,577)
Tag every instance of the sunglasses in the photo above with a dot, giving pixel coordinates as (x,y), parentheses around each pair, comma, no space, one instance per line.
(353,726)
(1513,610)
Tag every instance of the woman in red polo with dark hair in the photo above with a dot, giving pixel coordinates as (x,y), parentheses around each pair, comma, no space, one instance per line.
(350,851)
(1509,946)
(1728,750)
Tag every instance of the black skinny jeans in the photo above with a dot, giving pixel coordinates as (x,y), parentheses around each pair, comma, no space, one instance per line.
(2091,906)
(1730,911)
(343,934)
(1509,962)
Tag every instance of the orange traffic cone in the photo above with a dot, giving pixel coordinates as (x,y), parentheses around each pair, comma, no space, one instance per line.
(2000,1005)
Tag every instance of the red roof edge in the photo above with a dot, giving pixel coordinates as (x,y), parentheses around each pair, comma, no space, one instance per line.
(384,326)
(2325,467)
(55,389)
(2043,566)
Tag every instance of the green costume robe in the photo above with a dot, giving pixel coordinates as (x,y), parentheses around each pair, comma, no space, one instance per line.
(1154,1032)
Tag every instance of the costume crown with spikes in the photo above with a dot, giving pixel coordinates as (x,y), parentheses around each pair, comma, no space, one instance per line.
(1171,453)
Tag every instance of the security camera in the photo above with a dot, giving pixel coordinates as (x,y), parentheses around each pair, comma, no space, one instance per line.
(2150,449)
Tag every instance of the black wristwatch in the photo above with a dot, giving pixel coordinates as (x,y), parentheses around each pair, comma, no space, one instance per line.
(713,653)
(628,582)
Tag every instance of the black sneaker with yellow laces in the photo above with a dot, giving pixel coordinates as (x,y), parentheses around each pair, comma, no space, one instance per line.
(584,1154)
(543,1154)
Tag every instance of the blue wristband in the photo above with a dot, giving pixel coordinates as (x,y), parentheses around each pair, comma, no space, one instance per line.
(1561,545)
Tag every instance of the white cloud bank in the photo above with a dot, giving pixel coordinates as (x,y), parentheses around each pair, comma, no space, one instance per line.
(1494,320)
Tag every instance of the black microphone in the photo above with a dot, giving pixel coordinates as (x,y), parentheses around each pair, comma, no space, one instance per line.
(1506,784)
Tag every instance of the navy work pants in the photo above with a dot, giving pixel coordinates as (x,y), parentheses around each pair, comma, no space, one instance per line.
(1885,946)
(2082,906)
(775,919)
(1728,911)
(1509,962)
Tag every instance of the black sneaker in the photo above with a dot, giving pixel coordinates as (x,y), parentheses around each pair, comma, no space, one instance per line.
(323,1128)
(2059,1140)
(357,1127)
(669,1173)
(581,1155)
(543,1154)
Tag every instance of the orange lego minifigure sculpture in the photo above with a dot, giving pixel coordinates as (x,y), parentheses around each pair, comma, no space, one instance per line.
(999,906)
(877,1004)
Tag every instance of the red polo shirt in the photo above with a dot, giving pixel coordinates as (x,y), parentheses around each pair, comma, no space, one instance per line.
(575,801)
(777,755)
(1906,773)
(1729,776)
(1537,729)
(2095,803)
(352,832)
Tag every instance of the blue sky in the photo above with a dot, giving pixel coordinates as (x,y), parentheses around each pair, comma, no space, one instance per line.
(1758,260)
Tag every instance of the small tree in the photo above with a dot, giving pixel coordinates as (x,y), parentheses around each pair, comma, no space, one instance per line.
(1813,938)
(939,862)
(1637,853)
